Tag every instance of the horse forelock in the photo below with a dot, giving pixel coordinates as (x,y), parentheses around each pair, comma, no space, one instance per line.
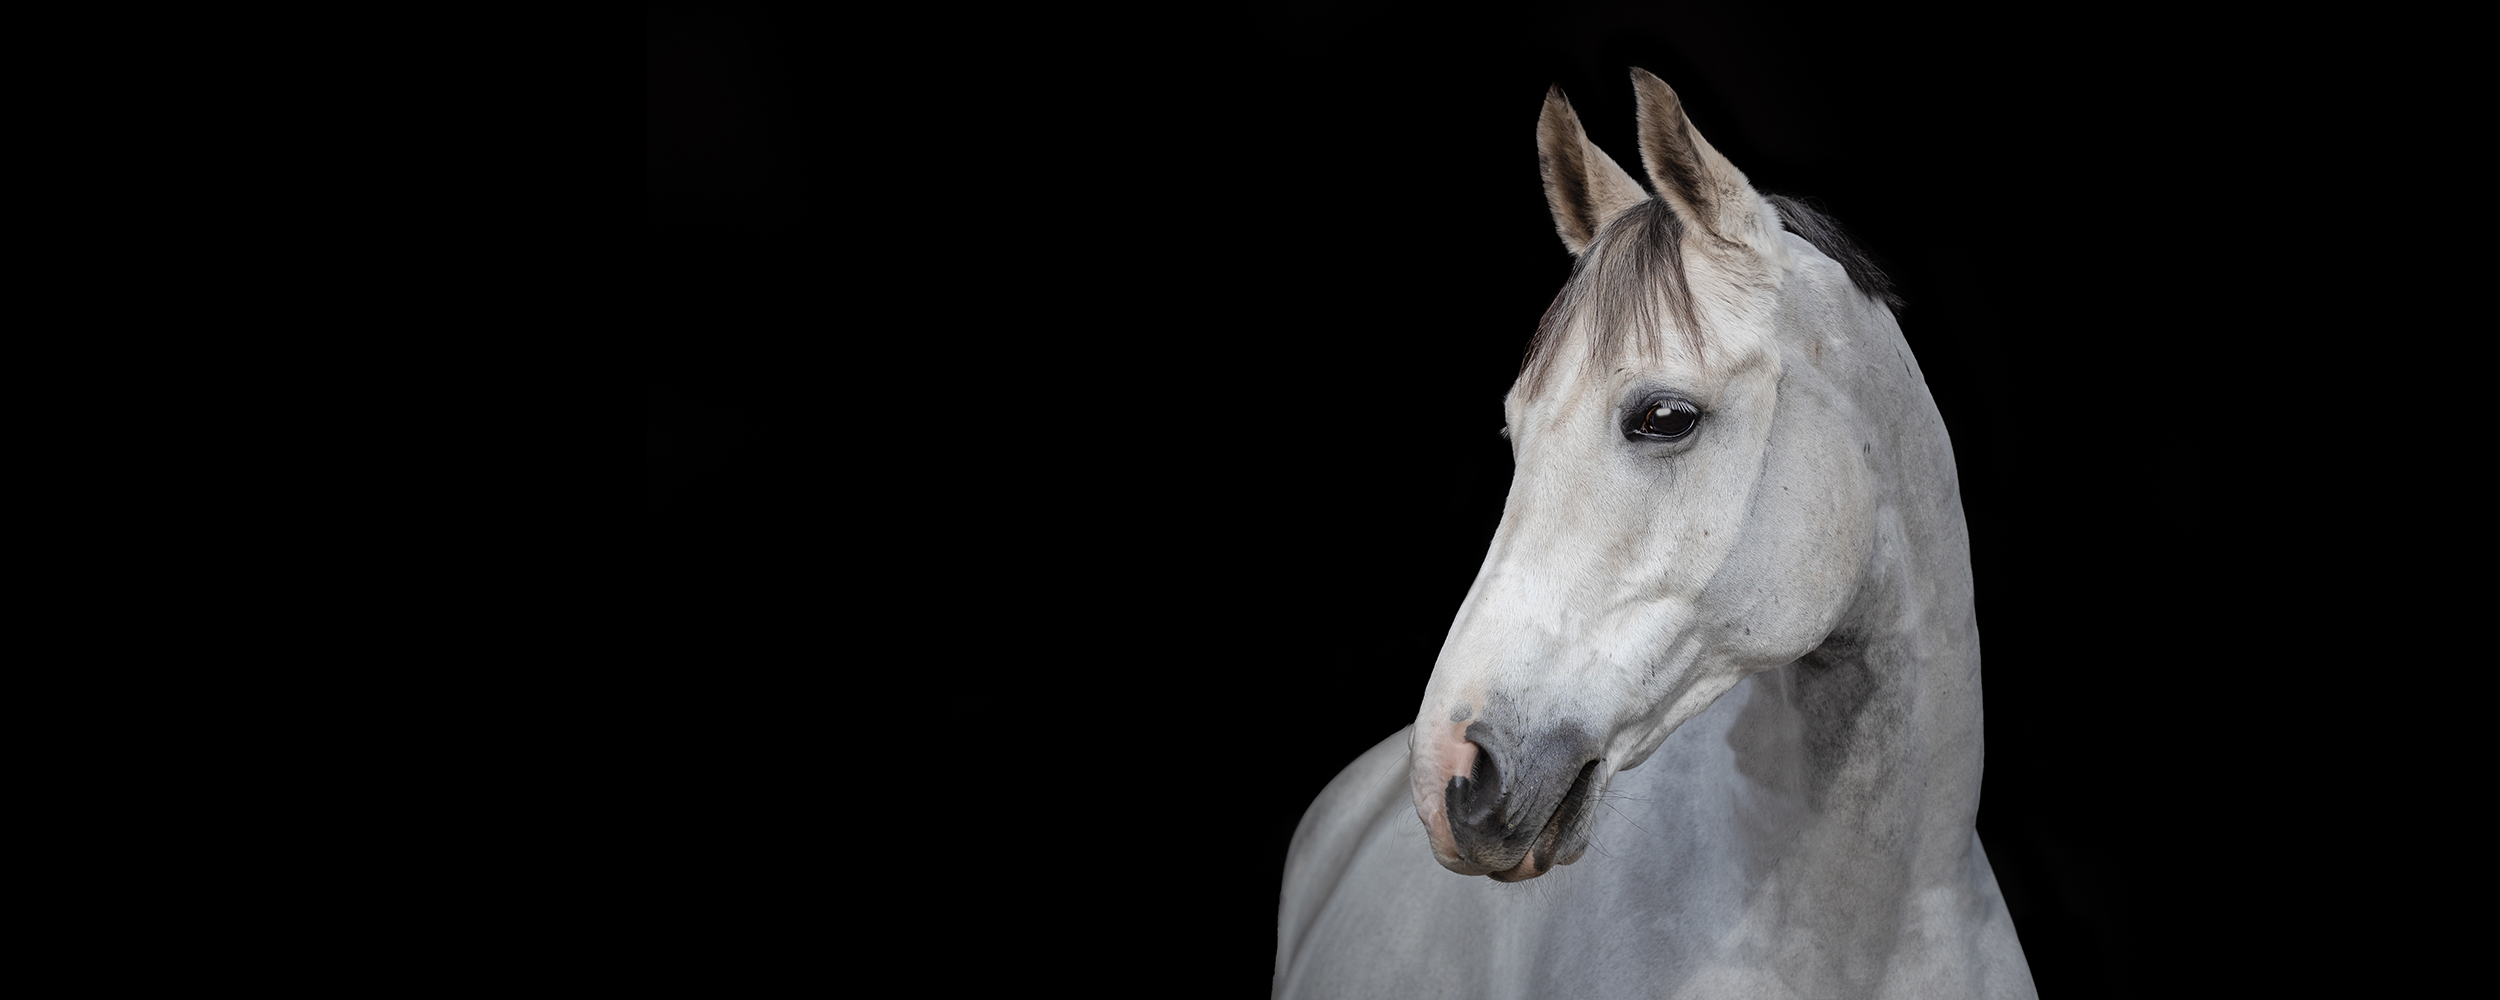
(1634,282)
(1633,288)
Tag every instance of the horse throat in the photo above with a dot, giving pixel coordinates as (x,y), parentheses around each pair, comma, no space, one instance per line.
(1875,735)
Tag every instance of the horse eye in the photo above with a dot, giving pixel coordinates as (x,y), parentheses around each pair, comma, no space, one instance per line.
(1668,420)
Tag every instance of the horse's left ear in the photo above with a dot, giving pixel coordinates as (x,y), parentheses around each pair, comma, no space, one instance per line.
(1689,173)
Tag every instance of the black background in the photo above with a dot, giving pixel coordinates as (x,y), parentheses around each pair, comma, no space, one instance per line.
(1069,441)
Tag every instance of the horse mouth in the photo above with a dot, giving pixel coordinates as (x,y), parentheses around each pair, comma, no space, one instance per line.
(1565,835)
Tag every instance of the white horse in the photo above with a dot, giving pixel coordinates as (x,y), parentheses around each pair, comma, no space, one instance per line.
(1723,641)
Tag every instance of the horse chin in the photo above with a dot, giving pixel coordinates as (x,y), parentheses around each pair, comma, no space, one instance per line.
(1526,869)
(1565,836)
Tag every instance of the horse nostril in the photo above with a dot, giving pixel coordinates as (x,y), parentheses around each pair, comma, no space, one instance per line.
(1475,796)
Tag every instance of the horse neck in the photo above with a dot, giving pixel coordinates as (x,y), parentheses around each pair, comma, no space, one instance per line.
(1888,709)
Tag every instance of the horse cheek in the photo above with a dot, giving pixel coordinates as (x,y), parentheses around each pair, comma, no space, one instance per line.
(1803,553)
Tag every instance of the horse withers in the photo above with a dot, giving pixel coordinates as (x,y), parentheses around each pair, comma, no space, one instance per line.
(1722,649)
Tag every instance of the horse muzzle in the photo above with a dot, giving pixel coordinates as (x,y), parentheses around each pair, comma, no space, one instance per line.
(1521,804)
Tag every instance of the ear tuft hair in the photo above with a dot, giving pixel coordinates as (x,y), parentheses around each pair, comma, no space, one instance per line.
(1583,186)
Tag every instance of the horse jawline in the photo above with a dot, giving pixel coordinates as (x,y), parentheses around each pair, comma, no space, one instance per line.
(1565,836)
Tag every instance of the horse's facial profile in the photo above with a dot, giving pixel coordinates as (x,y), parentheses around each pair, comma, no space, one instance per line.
(1688,504)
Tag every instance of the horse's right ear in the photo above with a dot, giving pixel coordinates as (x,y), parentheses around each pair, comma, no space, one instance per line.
(1583,186)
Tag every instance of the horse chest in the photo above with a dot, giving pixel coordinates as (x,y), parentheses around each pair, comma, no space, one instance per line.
(1684,881)
(1712,874)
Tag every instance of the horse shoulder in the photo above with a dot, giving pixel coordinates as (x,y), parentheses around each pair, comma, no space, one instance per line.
(1368,792)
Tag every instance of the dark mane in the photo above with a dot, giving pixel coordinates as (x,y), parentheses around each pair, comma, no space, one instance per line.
(1639,259)
(1811,225)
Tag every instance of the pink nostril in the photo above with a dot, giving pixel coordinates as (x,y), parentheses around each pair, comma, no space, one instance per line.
(1477,796)
(1439,763)
(1464,761)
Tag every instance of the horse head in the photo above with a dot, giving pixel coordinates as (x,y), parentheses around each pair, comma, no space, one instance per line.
(1690,501)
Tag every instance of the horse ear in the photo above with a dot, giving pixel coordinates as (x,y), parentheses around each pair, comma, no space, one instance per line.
(1583,186)
(1688,172)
